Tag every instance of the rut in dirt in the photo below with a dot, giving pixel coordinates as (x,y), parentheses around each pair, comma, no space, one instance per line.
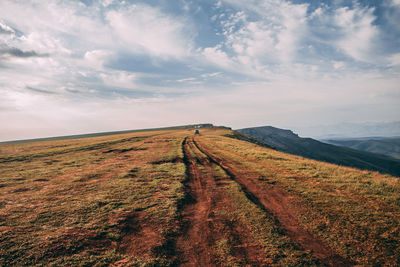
(275,201)
(201,225)
(192,245)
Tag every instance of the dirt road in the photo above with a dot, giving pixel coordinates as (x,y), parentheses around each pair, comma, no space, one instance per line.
(202,217)
(276,201)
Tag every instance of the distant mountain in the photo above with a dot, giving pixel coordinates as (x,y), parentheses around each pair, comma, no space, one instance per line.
(350,130)
(389,146)
(289,142)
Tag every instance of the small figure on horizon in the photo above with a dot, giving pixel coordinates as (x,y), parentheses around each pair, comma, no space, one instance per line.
(196,132)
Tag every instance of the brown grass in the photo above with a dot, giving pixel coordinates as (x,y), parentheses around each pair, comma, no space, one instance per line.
(123,200)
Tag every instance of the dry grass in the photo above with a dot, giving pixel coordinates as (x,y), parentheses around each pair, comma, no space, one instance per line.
(68,205)
(87,201)
(356,212)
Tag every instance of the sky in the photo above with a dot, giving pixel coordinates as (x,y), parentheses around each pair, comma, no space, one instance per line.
(71,67)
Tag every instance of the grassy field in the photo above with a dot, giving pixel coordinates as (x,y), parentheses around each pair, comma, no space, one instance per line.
(171,198)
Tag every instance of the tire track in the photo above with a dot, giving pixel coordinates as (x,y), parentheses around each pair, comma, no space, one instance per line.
(202,225)
(192,246)
(274,200)
(244,249)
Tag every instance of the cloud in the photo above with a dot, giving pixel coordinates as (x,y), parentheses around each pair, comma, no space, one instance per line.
(55,27)
(83,65)
(5,29)
(357,30)
(121,79)
(277,39)
(217,56)
(40,90)
(190,79)
(394,60)
(15,52)
(390,25)
(145,29)
(338,64)
(97,58)
(211,75)
(272,27)
(258,36)
(106,3)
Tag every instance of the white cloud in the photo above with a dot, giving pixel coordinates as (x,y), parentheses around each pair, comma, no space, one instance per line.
(293,30)
(218,57)
(42,42)
(261,34)
(391,14)
(77,43)
(142,28)
(359,33)
(394,60)
(190,79)
(97,58)
(55,25)
(277,28)
(6,33)
(211,75)
(106,3)
(338,65)
(119,79)
(395,2)
(270,61)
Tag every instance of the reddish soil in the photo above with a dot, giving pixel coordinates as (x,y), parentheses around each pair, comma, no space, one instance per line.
(140,238)
(194,243)
(368,203)
(202,225)
(276,201)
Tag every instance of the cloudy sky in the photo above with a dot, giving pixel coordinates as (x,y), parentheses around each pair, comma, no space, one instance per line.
(69,67)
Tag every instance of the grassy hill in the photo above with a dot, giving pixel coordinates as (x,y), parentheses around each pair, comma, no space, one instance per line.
(289,142)
(170,197)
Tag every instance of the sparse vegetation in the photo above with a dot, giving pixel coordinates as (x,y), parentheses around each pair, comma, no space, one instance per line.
(130,199)
(354,211)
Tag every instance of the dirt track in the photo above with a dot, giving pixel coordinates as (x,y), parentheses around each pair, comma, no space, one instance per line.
(202,225)
(275,201)
(204,218)
(178,199)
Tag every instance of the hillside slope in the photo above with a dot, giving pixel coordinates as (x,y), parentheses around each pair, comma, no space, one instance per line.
(287,141)
(389,146)
(174,198)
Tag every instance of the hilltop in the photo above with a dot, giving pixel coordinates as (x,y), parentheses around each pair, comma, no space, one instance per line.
(170,197)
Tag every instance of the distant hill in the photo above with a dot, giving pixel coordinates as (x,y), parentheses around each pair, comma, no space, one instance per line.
(349,130)
(289,142)
(389,146)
